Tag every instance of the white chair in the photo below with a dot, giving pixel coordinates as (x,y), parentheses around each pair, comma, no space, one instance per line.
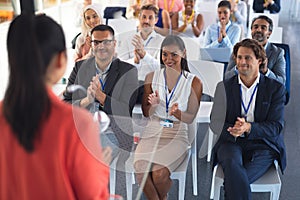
(269,182)
(179,173)
(210,73)
(273,16)
(193,47)
(276,36)
(209,17)
(123,25)
(112,175)
(201,6)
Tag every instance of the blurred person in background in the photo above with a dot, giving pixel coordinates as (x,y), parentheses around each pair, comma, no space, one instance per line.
(269,6)
(188,22)
(91,17)
(224,33)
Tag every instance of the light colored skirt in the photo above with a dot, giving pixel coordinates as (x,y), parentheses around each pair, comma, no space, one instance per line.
(164,146)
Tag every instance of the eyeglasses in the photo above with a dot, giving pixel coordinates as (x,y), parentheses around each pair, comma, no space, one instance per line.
(104,42)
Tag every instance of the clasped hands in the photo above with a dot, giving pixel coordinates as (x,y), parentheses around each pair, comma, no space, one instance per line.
(240,127)
(222,33)
(154,100)
(268,2)
(94,91)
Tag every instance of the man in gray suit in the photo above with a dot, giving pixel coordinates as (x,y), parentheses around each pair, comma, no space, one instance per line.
(261,29)
(111,87)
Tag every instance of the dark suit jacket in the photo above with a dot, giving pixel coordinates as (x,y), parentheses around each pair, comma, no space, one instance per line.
(120,89)
(258,6)
(276,64)
(268,114)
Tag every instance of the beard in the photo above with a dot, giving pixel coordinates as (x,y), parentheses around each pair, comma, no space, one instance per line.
(258,36)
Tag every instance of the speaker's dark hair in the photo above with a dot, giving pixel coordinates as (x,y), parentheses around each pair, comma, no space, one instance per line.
(32,42)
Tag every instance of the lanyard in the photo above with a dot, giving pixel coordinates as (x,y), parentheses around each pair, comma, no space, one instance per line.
(251,98)
(166,6)
(102,84)
(172,92)
(148,41)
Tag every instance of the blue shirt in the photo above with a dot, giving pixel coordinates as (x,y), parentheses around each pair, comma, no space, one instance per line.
(233,35)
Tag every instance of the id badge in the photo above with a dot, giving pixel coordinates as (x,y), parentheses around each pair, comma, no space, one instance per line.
(166,123)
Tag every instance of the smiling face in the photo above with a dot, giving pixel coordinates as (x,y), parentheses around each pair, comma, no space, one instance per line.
(189,4)
(104,50)
(171,56)
(91,18)
(247,63)
(224,14)
(260,31)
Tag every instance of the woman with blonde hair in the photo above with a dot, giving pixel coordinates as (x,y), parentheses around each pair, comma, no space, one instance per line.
(91,18)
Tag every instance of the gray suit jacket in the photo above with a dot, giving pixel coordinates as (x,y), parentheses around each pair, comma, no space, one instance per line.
(121,93)
(276,64)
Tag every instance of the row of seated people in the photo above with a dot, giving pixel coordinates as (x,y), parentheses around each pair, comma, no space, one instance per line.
(187,23)
(215,37)
(112,86)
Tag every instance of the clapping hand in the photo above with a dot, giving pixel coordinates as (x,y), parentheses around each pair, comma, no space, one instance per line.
(138,44)
(153,98)
(174,109)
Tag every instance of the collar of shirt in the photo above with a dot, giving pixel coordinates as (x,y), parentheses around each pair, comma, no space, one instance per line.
(150,36)
(102,73)
(246,96)
(252,86)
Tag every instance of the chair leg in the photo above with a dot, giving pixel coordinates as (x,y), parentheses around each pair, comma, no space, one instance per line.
(194,161)
(181,186)
(194,168)
(209,145)
(112,176)
(112,182)
(129,178)
(275,194)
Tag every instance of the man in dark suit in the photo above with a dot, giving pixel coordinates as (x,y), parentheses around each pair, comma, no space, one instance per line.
(111,87)
(273,6)
(247,115)
(261,29)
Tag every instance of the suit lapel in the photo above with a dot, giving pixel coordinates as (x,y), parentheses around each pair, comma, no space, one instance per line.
(234,98)
(261,90)
(112,76)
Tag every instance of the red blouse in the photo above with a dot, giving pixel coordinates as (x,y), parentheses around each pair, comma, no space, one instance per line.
(65,163)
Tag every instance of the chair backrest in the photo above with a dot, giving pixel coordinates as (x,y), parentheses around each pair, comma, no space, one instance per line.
(216,54)
(274,17)
(206,6)
(192,46)
(276,35)
(287,57)
(114,12)
(210,73)
(209,17)
(123,25)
